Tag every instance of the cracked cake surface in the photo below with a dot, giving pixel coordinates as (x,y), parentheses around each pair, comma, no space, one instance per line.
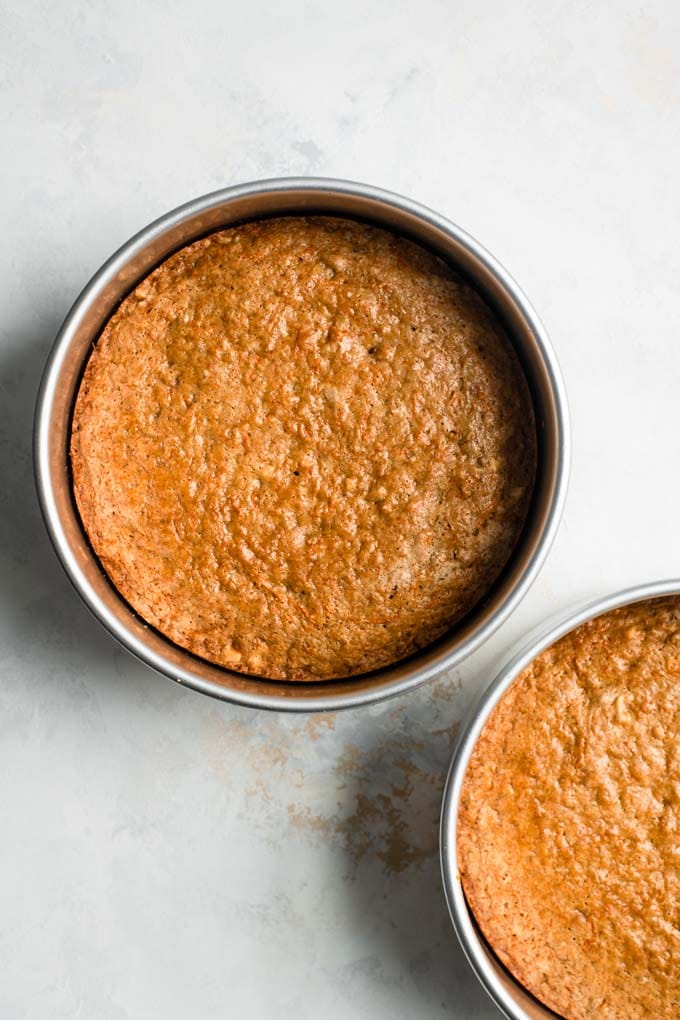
(303,448)
(569,821)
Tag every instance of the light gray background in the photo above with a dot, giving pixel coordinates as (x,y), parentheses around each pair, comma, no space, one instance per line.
(165,855)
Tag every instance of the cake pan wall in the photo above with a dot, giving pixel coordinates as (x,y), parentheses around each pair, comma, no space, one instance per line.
(119,275)
(508,994)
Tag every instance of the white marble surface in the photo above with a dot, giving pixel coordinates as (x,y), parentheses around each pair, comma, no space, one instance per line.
(165,855)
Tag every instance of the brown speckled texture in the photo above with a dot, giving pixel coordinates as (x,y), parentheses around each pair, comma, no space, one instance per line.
(569,827)
(302,448)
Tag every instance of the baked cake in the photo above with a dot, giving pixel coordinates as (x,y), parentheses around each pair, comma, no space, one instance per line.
(303,448)
(569,824)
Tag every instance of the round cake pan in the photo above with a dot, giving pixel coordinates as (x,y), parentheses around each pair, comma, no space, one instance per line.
(118,276)
(508,994)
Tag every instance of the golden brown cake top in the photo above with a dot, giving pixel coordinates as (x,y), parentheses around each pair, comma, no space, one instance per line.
(303,448)
(569,825)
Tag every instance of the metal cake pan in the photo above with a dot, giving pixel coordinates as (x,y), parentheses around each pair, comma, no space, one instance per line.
(510,996)
(121,273)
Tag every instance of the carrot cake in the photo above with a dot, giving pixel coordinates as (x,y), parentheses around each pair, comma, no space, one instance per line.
(569,824)
(303,448)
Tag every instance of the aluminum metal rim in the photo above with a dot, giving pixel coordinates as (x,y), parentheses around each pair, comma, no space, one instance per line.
(393,680)
(507,993)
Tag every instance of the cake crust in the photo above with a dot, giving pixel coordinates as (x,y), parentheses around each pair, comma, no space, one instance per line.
(569,825)
(303,448)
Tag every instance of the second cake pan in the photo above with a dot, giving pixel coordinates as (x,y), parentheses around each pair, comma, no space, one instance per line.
(508,994)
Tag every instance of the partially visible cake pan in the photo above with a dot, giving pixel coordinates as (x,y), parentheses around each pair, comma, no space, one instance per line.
(508,994)
(124,270)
